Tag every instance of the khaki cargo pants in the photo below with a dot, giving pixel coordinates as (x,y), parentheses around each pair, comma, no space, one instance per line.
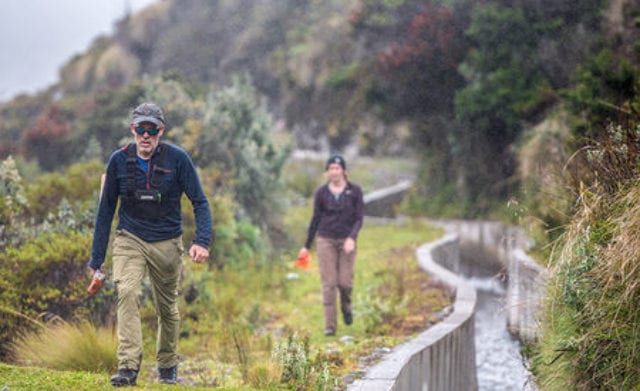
(336,271)
(133,256)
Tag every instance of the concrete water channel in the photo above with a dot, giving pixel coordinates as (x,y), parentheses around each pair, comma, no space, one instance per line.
(478,346)
(498,293)
(508,286)
(499,362)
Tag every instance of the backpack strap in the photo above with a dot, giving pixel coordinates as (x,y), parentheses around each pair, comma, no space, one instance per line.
(158,167)
(131,170)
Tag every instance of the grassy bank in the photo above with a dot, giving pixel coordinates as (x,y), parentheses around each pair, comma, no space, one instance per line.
(41,379)
(261,326)
(590,323)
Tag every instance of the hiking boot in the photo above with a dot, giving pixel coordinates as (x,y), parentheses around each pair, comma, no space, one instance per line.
(348,317)
(124,377)
(168,375)
(329,332)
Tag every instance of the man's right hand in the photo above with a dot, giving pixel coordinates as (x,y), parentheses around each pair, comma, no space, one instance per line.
(92,271)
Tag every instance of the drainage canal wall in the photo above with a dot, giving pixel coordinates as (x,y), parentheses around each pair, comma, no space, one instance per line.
(383,202)
(494,249)
(443,357)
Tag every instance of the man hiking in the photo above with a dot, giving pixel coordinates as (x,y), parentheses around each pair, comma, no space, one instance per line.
(149,178)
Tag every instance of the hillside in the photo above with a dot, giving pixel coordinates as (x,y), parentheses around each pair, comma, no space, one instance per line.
(446,81)
(524,111)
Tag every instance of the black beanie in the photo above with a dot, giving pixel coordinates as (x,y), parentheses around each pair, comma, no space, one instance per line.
(336,159)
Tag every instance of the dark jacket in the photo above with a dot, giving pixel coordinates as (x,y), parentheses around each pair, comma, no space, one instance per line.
(336,217)
(165,222)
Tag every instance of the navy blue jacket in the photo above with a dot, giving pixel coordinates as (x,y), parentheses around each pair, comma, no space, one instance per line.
(179,177)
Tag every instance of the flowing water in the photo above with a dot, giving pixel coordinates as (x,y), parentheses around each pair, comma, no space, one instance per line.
(499,362)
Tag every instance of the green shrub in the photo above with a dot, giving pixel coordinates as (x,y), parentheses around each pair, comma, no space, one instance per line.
(79,184)
(238,140)
(374,312)
(299,370)
(237,242)
(47,275)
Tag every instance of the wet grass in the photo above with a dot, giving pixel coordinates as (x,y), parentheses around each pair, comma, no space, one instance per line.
(260,326)
(242,315)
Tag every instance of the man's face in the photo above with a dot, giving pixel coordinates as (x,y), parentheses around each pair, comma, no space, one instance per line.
(145,142)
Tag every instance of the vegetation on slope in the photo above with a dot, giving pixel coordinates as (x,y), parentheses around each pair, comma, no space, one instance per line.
(241,325)
(591,327)
(456,81)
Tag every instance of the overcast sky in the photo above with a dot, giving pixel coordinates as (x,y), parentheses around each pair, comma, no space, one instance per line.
(38,36)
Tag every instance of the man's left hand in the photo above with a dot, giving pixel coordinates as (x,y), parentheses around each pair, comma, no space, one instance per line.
(198,253)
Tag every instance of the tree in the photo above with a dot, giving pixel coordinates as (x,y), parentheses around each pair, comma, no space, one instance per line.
(107,116)
(47,139)
(419,71)
(236,138)
(605,92)
(12,202)
(504,86)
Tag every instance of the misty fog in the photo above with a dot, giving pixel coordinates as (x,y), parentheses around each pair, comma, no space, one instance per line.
(39,36)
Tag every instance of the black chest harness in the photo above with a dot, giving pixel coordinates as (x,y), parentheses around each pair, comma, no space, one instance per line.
(154,182)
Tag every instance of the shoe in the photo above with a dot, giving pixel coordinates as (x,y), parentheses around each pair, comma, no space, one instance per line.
(168,375)
(124,377)
(329,332)
(348,317)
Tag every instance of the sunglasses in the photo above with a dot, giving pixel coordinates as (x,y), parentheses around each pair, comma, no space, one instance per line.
(152,131)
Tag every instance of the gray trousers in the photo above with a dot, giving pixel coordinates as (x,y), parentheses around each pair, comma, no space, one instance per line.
(336,271)
(133,256)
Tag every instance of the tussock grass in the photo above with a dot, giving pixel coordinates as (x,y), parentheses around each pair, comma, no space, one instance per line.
(68,346)
(591,322)
(612,336)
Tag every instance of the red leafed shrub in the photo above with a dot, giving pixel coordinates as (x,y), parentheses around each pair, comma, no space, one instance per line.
(422,66)
(428,38)
(47,138)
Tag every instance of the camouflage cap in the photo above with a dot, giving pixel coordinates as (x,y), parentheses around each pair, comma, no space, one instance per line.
(148,112)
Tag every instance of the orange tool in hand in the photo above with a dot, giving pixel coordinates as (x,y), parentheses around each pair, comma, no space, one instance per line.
(304,259)
(97,282)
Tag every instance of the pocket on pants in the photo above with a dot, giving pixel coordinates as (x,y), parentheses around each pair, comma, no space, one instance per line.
(179,245)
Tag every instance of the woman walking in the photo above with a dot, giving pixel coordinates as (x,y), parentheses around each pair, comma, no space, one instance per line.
(337,218)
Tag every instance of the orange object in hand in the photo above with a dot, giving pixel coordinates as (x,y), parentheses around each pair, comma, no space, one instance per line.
(304,259)
(97,282)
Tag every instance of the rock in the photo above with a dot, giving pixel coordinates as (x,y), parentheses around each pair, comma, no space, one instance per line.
(346,339)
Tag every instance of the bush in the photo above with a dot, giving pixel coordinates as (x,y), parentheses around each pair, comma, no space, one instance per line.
(299,370)
(45,276)
(79,184)
(236,242)
(238,140)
